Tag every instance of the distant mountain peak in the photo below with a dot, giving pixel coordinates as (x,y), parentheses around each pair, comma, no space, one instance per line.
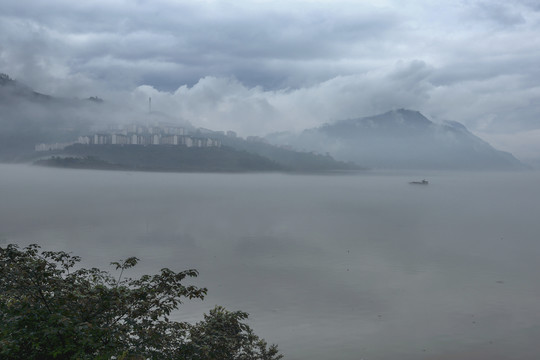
(403,116)
(400,122)
(401,138)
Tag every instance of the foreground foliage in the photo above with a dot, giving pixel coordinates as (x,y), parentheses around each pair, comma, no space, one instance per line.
(51,310)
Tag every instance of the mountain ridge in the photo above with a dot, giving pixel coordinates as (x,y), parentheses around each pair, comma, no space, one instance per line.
(401,139)
(397,139)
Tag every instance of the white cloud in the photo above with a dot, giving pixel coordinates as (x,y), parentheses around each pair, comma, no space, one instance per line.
(226,103)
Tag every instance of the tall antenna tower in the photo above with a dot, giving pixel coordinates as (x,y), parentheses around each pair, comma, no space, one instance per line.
(149,105)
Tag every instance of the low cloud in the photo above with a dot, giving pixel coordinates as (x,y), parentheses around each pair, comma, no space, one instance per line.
(226,103)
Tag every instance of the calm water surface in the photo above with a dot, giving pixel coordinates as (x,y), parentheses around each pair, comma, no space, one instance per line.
(329,267)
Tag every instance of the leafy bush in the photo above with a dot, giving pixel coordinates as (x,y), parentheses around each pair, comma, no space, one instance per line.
(51,310)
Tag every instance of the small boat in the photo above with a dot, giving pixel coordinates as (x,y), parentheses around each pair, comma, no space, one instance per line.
(423,182)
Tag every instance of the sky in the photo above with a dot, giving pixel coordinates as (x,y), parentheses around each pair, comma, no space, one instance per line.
(264,66)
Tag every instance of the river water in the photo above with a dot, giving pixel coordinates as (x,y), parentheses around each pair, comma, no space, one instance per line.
(361,266)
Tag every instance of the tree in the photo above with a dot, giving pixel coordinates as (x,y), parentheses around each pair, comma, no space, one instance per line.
(222,336)
(5,79)
(51,310)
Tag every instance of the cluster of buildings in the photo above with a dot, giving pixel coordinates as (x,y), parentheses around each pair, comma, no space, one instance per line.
(140,135)
(148,135)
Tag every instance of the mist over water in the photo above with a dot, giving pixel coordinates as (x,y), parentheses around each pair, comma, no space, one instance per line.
(351,267)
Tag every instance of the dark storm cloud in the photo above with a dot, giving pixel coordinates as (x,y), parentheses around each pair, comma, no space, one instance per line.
(190,41)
